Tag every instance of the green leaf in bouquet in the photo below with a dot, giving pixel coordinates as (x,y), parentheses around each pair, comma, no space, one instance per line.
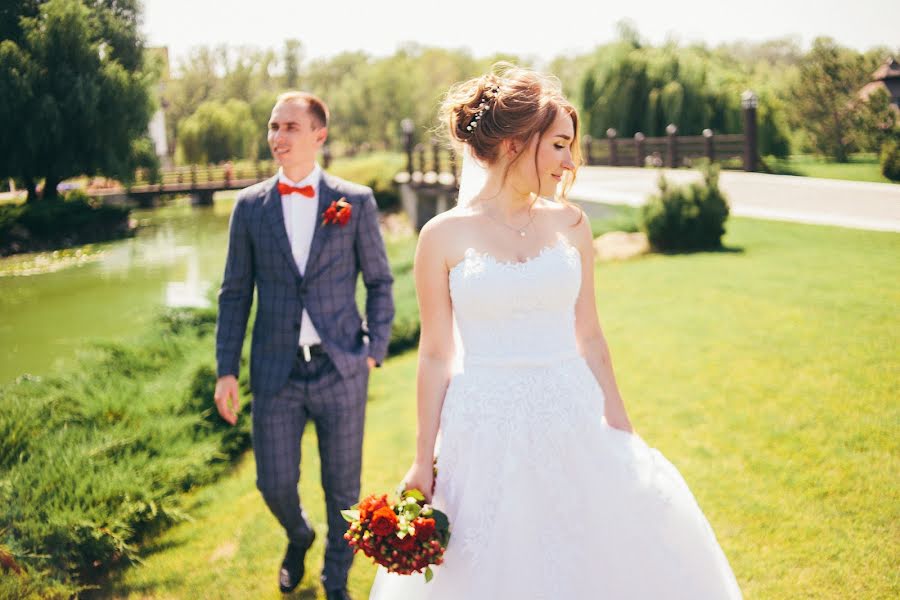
(411,511)
(428,574)
(441,522)
(419,496)
(350,515)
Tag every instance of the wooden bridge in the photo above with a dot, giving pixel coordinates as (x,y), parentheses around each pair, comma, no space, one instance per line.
(200,183)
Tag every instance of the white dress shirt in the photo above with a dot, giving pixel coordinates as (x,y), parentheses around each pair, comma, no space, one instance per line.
(300,216)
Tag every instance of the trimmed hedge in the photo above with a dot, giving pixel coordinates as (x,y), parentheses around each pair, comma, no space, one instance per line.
(890,160)
(684,218)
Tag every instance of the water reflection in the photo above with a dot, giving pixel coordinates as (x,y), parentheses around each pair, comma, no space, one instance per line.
(176,259)
(193,291)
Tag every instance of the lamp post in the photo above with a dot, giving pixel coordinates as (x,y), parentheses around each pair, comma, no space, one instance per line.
(749,102)
(672,146)
(408,127)
(611,134)
(708,145)
(639,149)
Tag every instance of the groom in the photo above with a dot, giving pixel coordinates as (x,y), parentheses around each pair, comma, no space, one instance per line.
(301,239)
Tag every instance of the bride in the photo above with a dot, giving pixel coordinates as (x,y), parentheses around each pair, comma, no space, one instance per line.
(549,491)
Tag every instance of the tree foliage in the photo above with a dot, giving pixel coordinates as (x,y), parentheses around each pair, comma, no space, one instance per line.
(633,87)
(218,131)
(825,97)
(878,121)
(73,96)
(367,96)
(627,85)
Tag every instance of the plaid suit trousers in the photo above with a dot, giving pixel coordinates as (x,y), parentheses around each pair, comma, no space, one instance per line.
(337,406)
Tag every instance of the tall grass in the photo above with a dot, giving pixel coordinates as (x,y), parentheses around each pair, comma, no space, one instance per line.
(94,460)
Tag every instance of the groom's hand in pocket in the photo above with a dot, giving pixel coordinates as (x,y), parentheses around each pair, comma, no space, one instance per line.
(226,397)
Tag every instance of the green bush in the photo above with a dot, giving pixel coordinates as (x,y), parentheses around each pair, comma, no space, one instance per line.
(59,223)
(682,218)
(376,170)
(890,160)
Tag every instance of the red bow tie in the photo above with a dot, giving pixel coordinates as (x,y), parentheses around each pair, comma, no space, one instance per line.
(285,189)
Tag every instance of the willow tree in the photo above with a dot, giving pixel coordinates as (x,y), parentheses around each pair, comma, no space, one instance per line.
(74,97)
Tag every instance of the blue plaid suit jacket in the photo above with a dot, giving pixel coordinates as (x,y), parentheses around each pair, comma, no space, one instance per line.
(259,255)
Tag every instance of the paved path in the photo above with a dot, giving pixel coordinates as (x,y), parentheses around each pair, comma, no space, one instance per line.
(853,204)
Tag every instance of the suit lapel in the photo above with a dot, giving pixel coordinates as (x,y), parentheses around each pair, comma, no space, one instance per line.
(275,218)
(327,195)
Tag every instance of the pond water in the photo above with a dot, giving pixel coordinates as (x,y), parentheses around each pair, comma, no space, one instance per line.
(51,304)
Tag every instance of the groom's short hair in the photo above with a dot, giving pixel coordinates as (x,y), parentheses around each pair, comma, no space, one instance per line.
(317,108)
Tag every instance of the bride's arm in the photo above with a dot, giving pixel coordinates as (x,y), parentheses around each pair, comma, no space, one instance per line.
(436,350)
(591,342)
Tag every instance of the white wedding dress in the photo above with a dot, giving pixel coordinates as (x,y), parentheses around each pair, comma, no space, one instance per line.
(545,500)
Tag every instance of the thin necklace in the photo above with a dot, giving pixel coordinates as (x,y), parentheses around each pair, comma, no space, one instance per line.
(520,231)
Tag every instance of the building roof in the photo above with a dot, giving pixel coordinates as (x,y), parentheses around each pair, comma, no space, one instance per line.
(889,69)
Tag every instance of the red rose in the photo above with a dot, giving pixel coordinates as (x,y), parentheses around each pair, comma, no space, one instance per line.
(343,216)
(384,521)
(424,528)
(405,545)
(338,212)
(370,505)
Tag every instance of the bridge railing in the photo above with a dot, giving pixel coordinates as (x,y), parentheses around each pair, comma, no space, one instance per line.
(203,174)
(237,170)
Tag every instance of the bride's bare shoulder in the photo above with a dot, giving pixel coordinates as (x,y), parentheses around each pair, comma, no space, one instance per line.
(444,235)
(447,225)
(569,220)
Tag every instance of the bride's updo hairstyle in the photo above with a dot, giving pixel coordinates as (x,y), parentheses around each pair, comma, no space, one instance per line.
(507,103)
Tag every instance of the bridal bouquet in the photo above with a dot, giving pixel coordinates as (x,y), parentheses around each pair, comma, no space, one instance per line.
(405,537)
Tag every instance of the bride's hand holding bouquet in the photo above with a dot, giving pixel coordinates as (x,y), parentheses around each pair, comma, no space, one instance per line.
(404,537)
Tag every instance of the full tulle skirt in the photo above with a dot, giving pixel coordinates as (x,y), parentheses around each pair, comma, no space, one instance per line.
(546,500)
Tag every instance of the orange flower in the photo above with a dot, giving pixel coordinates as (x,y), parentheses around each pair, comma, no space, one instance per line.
(370,505)
(384,521)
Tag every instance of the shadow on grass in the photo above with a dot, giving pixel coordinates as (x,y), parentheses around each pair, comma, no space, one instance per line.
(115,588)
(722,250)
(309,592)
(160,546)
(779,167)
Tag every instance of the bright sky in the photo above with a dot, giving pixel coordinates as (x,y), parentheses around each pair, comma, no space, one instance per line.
(543,29)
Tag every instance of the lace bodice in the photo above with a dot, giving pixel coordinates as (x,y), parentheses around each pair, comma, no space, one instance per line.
(517,312)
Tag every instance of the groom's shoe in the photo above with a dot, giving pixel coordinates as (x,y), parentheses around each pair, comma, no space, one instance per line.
(292,567)
(340,594)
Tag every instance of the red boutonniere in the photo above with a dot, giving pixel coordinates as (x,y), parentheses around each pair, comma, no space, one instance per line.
(338,212)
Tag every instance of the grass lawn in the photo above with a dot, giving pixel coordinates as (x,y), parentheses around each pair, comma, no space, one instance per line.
(768,373)
(861,167)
